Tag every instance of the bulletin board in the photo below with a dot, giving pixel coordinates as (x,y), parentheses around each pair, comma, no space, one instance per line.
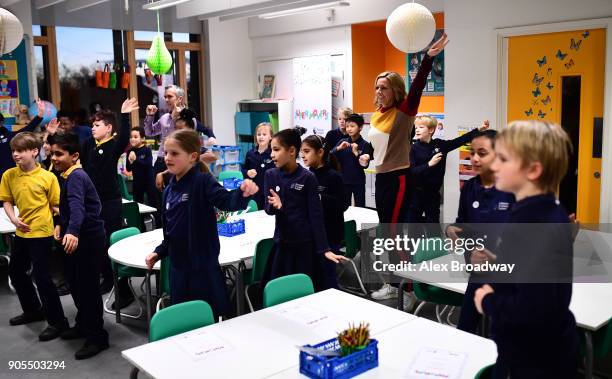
(14,88)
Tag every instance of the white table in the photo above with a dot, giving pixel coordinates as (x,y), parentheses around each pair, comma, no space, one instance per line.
(590,302)
(399,346)
(6,226)
(142,208)
(263,343)
(234,250)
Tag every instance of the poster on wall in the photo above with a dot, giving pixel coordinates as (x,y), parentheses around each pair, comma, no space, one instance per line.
(9,88)
(312,100)
(435,79)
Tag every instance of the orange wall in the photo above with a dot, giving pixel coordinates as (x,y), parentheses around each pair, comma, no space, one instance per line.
(373,54)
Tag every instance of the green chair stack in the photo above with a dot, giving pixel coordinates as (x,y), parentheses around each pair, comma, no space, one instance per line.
(123,188)
(432,294)
(125,272)
(601,342)
(230,175)
(177,319)
(352,245)
(287,288)
(255,274)
(485,372)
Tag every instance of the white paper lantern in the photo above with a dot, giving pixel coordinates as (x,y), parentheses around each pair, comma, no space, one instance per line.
(411,27)
(11,31)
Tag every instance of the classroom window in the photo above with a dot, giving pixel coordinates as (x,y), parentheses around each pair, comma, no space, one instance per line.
(192,76)
(41,64)
(37,30)
(82,51)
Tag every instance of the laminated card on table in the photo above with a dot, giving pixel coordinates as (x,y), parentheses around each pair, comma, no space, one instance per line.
(202,344)
(432,362)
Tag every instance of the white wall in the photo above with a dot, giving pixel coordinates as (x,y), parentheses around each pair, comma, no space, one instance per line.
(471,60)
(335,40)
(231,73)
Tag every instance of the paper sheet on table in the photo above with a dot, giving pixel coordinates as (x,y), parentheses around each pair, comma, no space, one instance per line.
(202,344)
(437,363)
(321,322)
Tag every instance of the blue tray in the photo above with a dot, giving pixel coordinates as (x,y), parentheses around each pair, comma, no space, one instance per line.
(338,367)
(230,229)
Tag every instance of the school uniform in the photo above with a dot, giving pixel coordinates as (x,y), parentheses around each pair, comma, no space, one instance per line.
(482,211)
(333,136)
(80,210)
(99,160)
(142,172)
(191,239)
(331,191)
(531,323)
(352,172)
(299,232)
(34,193)
(261,162)
(427,181)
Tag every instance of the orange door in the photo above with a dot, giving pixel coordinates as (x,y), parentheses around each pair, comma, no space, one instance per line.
(540,67)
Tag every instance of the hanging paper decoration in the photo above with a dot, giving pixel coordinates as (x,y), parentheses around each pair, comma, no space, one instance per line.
(11,31)
(411,27)
(159,59)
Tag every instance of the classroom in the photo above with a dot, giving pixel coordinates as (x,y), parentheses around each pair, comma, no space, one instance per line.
(306,188)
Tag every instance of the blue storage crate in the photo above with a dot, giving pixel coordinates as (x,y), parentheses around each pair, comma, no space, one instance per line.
(338,367)
(231,229)
(246,122)
(232,183)
(226,154)
(244,149)
(231,167)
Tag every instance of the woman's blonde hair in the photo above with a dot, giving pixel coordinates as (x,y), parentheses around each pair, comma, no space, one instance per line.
(430,121)
(539,141)
(189,141)
(346,111)
(397,85)
(262,125)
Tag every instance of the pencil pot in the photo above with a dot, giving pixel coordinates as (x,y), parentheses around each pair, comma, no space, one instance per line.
(231,229)
(353,364)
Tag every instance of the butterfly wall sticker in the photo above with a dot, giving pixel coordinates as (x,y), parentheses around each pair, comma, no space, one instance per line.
(537,79)
(537,92)
(585,34)
(560,55)
(549,72)
(575,45)
(569,64)
(529,112)
(549,86)
(541,62)
(541,114)
(547,100)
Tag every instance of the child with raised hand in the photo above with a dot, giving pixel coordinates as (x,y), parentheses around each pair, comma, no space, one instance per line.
(482,211)
(36,194)
(99,157)
(531,323)
(299,233)
(258,160)
(353,154)
(81,232)
(190,224)
(428,166)
(315,154)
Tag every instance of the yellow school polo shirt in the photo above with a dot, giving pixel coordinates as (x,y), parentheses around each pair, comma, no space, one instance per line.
(33,193)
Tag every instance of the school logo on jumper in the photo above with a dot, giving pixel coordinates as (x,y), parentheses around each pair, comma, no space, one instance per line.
(503,206)
(321,189)
(475,204)
(100,151)
(297,186)
(142,156)
(184,197)
(3,139)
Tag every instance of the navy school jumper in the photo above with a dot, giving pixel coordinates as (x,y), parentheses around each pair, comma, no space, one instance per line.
(351,170)
(261,162)
(142,171)
(299,232)
(531,323)
(191,239)
(487,209)
(331,191)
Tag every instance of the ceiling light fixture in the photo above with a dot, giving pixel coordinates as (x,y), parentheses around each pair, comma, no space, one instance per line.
(309,8)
